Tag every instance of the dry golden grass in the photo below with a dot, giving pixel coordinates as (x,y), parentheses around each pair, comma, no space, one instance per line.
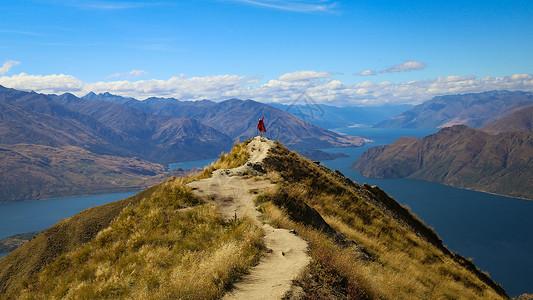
(399,263)
(172,245)
(420,272)
(237,157)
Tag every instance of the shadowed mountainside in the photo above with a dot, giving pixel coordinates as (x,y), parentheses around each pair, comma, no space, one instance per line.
(458,156)
(473,110)
(11,243)
(521,121)
(157,138)
(38,172)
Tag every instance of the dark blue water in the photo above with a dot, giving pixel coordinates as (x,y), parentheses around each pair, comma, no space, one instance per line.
(27,216)
(495,231)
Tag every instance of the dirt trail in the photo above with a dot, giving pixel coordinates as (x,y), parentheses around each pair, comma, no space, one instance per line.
(234,195)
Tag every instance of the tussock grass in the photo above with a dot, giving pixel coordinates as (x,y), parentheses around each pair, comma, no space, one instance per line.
(238,156)
(171,245)
(396,263)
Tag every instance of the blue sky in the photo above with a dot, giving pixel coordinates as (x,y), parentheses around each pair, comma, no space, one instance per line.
(268,50)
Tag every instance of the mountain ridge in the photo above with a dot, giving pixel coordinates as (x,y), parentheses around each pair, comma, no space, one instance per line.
(169,240)
(474,110)
(458,156)
(521,121)
(238,118)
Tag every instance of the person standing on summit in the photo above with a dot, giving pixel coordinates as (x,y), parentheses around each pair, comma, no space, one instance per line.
(261,126)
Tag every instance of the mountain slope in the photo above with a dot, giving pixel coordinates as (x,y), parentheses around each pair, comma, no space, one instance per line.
(56,146)
(458,156)
(37,172)
(473,110)
(292,131)
(35,119)
(161,139)
(521,120)
(171,242)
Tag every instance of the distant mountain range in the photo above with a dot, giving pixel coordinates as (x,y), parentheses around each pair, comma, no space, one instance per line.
(238,119)
(501,162)
(58,145)
(473,110)
(332,117)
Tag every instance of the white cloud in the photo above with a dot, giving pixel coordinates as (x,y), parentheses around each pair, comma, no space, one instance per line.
(303,75)
(137,73)
(285,89)
(366,73)
(7,66)
(43,84)
(406,66)
(294,5)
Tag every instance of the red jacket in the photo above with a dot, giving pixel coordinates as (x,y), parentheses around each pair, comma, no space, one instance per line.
(261,126)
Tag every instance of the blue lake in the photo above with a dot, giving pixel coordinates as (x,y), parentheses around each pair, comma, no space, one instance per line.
(27,216)
(495,231)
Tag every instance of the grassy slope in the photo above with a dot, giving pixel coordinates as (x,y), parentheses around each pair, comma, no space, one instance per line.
(166,243)
(396,256)
(65,236)
(11,243)
(164,237)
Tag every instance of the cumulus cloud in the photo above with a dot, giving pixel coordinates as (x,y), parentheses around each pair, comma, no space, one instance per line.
(409,65)
(285,89)
(7,66)
(44,84)
(294,5)
(366,73)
